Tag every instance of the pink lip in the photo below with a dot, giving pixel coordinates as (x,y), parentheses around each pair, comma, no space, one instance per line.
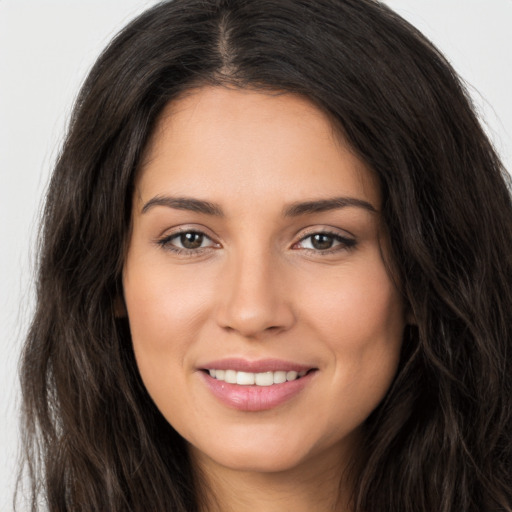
(262,365)
(255,398)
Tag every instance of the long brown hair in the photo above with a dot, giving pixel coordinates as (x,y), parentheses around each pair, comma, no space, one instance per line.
(442,438)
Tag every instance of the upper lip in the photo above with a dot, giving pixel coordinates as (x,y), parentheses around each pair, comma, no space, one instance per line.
(259,366)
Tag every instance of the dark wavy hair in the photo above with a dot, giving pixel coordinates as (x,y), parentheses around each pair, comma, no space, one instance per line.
(441,440)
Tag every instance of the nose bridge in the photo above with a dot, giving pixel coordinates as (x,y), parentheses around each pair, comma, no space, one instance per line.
(254,298)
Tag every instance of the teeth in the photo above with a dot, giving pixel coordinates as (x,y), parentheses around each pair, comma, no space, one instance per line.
(279,377)
(229,376)
(258,379)
(291,375)
(245,378)
(264,379)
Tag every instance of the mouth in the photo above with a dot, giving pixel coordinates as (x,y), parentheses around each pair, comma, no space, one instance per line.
(254,386)
(268,378)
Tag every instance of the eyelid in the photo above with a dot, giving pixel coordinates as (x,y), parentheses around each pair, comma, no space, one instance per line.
(324,228)
(186,228)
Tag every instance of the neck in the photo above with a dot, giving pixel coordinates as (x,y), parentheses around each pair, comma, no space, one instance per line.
(318,484)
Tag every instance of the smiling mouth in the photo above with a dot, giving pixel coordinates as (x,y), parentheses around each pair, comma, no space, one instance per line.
(256,379)
(256,386)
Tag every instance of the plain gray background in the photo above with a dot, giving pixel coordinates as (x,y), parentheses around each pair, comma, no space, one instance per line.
(46,48)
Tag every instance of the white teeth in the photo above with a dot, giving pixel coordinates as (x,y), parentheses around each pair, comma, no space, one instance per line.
(258,379)
(229,376)
(279,377)
(291,375)
(264,379)
(244,378)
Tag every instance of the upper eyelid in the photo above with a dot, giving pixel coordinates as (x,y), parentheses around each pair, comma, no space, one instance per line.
(331,230)
(178,230)
(328,233)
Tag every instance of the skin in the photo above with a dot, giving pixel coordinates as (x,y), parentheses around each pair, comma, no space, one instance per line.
(259,288)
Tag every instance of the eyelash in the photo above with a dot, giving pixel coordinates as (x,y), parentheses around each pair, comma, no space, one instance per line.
(166,243)
(344,243)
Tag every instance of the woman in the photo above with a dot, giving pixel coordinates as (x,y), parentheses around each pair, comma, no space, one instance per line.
(275,273)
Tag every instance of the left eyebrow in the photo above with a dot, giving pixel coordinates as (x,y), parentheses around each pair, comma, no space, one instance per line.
(323,205)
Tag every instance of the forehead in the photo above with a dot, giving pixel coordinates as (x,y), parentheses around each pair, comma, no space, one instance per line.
(252,145)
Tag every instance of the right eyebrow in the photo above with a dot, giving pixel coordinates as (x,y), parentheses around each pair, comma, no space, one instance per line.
(184,203)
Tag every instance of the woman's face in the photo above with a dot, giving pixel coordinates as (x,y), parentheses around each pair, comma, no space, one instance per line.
(257,256)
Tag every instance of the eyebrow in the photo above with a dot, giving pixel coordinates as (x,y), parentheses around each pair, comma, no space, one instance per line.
(292,210)
(323,205)
(184,203)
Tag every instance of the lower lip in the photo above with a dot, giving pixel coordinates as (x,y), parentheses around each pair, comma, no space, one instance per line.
(255,398)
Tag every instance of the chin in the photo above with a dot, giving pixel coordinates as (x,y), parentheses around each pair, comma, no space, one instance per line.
(258,461)
(267,451)
(260,450)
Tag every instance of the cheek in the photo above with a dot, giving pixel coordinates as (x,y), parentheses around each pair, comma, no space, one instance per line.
(359,316)
(161,302)
(166,311)
(356,307)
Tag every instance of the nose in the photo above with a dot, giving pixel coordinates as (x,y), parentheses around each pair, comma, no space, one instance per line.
(254,301)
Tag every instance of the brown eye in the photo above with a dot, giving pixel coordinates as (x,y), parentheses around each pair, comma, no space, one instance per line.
(191,240)
(322,241)
(325,242)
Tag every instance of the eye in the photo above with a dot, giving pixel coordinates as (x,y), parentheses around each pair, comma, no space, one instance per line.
(187,241)
(325,242)
(190,240)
